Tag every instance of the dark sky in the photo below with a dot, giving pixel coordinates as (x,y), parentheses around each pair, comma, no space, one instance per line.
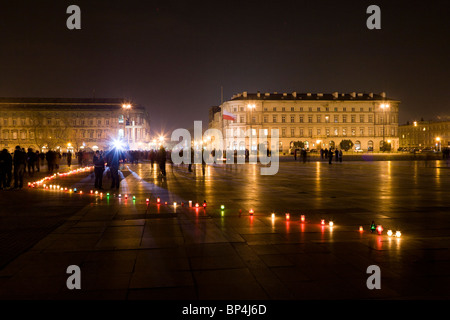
(173,56)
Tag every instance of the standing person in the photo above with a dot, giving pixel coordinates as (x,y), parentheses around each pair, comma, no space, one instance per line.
(295,155)
(337,155)
(340,155)
(19,167)
(330,156)
(31,159)
(162,160)
(50,160)
(5,169)
(38,161)
(99,167)
(69,159)
(114,163)
(192,160)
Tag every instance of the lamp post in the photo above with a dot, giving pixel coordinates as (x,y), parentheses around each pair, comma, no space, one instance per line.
(126,107)
(438,144)
(384,106)
(251,107)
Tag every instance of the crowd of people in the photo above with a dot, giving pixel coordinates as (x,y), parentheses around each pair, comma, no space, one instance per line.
(325,154)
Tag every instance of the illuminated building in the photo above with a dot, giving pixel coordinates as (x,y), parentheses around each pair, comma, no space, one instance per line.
(425,134)
(313,121)
(72,124)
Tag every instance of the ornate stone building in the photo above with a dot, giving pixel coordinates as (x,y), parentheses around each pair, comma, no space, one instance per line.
(313,120)
(72,124)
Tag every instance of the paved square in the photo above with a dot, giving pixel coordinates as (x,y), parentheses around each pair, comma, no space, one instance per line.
(131,249)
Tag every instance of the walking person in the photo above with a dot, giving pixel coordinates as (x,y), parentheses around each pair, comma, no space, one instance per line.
(330,156)
(99,167)
(19,167)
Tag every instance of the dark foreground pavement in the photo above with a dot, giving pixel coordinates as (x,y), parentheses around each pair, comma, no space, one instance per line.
(130,249)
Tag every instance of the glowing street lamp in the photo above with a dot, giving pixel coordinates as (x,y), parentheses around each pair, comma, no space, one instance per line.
(438,144)
(384,106)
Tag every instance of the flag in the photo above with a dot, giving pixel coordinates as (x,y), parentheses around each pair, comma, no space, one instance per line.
(228,116)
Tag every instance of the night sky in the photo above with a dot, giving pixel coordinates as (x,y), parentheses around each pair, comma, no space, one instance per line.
(174,56)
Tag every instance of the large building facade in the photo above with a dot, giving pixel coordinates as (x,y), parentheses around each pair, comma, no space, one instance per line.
(72,124)
(425,134)
(314,121)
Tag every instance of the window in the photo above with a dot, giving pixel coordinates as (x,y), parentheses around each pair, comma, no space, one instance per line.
(361,132)
(283,132)
(327,119)
(99,122)
(292,109)
(274,119)
(5,122)
(370,118)
(336,119)
(120,119)
(336,131)
(353,109)
(353,117)
(266,119)
(91,122)
(265,109)
(14,122)
(344,109)
(319,119)
(301,108)
(253,119)
(14,135)
(370,131)
(274,108)
(361,109)
(310,109)
(292,118)
(301,132)
(241,119)
(310,119)
(318,108)
(107,122)
(361,118)
(301,119)
(283,109)
(344,118)
(327,131)
(335,109)
(292,132)
(283,118)
(318,132)
(310,132)
(23,135)
(353,131)
(344,131)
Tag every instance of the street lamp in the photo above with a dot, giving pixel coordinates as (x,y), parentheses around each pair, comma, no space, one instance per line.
(127,108)
(384,107)
(251,107)
(438,143)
